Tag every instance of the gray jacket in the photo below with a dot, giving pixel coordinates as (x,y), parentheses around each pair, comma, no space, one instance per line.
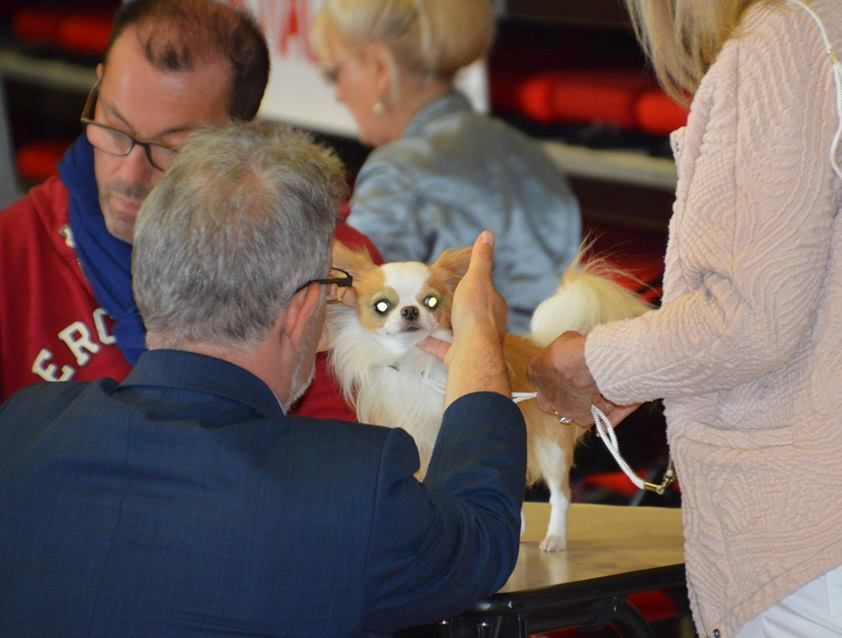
(452,174)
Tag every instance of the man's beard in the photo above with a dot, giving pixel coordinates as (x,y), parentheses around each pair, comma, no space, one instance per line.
(298,386)
(297,391)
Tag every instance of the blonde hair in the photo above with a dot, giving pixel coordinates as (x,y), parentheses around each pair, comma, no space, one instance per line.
(683,37)
(432,38)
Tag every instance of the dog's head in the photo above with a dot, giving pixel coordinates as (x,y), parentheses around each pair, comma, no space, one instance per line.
(402,300)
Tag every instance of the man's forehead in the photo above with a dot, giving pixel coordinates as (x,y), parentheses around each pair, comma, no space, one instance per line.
(153,100)
(166,51)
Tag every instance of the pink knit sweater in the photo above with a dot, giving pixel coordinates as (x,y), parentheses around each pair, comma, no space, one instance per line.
(747,348)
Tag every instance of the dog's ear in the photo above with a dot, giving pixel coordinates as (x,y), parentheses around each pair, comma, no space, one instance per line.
(452,264)
(356,261)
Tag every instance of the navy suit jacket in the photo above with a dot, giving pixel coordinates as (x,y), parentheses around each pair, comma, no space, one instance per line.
(184,502)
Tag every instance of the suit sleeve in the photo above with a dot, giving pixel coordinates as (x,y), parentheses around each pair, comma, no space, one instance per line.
(438,547)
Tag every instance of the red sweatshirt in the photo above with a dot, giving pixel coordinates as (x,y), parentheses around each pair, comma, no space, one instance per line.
(51,326)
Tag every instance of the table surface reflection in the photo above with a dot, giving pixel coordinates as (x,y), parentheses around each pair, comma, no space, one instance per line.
(602,540)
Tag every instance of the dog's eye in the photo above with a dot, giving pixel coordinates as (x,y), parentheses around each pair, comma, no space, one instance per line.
(382,307)
(432,301)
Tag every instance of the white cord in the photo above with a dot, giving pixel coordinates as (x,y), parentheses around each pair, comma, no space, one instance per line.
(517,397)
(837,79)
(605,431)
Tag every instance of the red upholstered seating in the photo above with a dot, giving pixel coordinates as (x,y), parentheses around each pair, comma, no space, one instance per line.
(511,66)
(584,96)
(655,606)
(37,25)
(658,114)
(37,161)
(86,32)
(626,98)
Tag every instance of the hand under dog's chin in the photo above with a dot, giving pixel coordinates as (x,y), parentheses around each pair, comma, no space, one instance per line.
(405,338)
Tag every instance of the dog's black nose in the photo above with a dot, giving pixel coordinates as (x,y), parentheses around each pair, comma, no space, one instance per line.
(410,313)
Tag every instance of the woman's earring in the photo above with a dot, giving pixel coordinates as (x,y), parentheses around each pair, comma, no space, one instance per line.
(379,108)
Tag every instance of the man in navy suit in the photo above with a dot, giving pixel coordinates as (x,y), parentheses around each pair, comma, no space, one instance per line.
(184,501)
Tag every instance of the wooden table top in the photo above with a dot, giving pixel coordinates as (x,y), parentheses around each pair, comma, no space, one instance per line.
(603,540)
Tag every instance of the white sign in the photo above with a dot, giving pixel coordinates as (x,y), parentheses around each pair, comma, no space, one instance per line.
(297,93)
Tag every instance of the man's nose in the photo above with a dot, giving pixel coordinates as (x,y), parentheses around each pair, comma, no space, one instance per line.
(135,167)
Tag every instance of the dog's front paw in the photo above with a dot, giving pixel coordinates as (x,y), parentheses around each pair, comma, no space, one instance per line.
(553,543)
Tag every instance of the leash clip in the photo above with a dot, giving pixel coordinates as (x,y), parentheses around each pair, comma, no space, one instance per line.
(666,482)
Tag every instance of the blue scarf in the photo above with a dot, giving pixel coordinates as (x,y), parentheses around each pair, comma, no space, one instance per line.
(106,260)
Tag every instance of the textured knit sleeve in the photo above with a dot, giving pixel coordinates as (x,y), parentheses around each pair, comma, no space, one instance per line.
(750,235)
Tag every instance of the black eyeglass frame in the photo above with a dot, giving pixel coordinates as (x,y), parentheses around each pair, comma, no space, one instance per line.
(146,145)
(346,281)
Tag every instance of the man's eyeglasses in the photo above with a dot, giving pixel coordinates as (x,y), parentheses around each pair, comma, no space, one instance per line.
(339,279)
(115,142)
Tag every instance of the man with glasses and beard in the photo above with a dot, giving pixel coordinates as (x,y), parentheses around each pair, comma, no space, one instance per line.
(185,501)
(172,66)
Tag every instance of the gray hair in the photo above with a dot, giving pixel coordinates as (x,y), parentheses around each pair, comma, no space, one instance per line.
(243,217)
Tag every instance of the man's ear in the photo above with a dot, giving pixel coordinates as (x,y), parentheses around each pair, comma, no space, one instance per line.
(99,71)
(299,314)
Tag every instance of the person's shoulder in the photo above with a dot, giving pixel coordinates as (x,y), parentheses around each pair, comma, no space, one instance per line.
(480,138)
(775,47)
(398,158)
(393,169)
(48,399)
(44,205)
(424,143)
(780,28)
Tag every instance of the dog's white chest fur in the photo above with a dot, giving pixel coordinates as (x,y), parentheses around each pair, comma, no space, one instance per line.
(391,381)
(409,394)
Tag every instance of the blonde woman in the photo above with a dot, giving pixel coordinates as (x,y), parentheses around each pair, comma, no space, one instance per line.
(440,172)
(746,350)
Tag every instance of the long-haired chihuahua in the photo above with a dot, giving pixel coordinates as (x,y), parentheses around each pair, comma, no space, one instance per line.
(373,353)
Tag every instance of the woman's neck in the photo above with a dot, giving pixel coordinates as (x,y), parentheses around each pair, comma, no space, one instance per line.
(416,93)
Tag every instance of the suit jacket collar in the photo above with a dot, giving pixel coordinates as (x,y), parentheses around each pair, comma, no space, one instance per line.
(177,369)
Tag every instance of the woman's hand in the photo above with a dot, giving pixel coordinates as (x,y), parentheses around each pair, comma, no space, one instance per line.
(565,385)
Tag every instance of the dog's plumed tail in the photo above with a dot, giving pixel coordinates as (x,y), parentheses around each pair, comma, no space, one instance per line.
(587,296)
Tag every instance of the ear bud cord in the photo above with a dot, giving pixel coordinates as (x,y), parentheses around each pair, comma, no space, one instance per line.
(605,431)
(837,80)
